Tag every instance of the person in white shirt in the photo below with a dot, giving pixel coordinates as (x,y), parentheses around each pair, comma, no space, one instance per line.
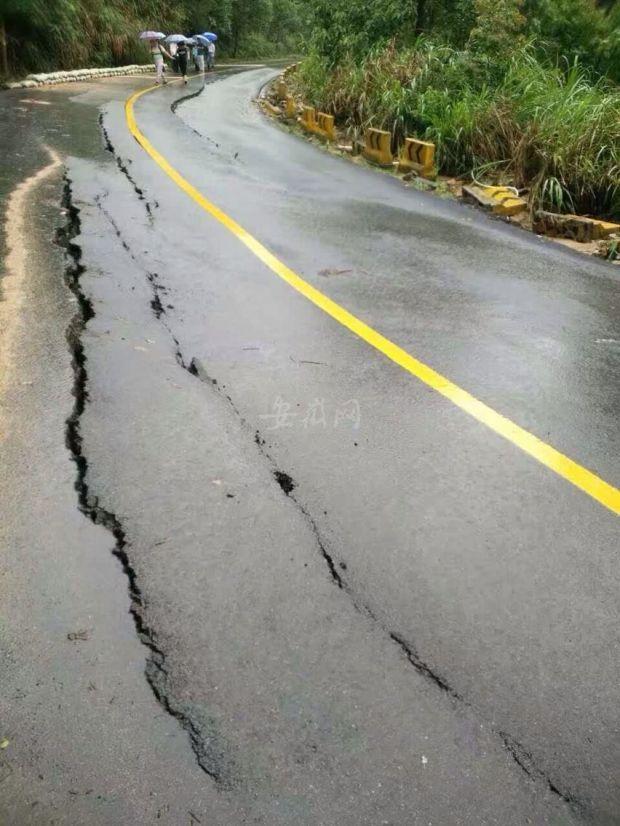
(199,58)
(211,56)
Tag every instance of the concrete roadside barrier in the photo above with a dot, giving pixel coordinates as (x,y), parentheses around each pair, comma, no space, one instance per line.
(319,123)
(290,108)
(500,200)
(575,227)
(418,156)
(325,126)
(281,89)
(308,118)
(378,147)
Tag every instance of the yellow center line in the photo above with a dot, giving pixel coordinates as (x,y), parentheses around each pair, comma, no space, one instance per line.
(584,479)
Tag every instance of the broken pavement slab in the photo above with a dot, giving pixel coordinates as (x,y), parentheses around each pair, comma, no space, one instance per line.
(500,200)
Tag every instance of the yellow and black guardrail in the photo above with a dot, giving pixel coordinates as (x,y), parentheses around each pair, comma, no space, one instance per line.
(378,147)
(418,156)
(319,123)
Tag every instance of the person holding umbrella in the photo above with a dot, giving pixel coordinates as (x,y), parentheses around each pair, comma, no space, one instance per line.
(205,41)
(181,52)
(192,52)
(172,48)
(157,53)
(210,37)
(211,55)
(182,58)
(199,56)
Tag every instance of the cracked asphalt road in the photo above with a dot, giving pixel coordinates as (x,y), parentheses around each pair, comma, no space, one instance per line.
(358,605)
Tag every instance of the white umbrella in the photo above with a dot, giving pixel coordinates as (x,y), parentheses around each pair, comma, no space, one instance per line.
(176,38)
(152,35)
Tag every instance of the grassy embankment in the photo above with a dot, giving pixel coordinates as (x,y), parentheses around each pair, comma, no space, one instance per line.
(554,130)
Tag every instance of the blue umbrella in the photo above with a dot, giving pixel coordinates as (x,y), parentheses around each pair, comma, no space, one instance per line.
(210,36)
(202,39)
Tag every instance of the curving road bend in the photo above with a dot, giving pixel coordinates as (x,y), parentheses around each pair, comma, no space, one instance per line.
(358,604)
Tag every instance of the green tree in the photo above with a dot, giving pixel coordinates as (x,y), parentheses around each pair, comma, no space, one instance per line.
(499,28)
(577,29)
(209,15)
(288,23)
(14,14)
(341,27)
(453,20)
(248,16)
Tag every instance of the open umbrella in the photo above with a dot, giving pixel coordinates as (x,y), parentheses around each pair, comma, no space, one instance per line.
(176,38)
(152,35)
(210,36)
(201,39)
(190,41)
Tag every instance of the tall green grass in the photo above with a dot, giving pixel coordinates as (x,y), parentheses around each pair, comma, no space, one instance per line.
(45,35)
(552,129)
(64,34)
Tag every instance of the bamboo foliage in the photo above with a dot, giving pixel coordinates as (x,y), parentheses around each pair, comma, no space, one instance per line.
(40,35)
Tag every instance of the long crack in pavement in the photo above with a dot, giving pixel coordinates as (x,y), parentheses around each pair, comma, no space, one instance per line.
(212,760)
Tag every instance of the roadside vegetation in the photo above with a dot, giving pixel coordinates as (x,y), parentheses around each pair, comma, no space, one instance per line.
(523,92)
(46,35)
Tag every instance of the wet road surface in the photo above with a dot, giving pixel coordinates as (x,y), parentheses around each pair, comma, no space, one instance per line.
(360,604)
